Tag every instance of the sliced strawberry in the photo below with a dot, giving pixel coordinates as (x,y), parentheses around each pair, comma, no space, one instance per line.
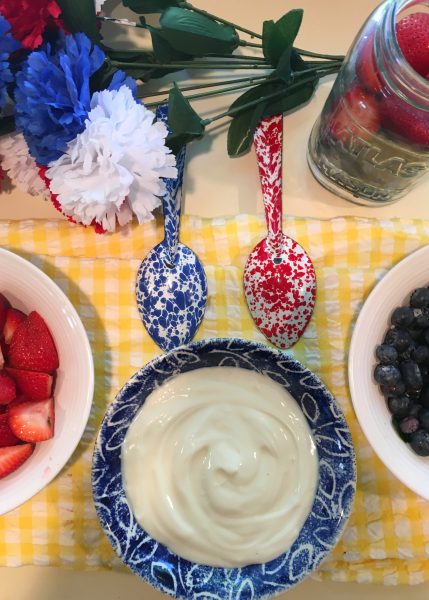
(32,346)
(33,421)
(366,67)
(12,457)
(4,305)
(2,361)
(4,350)
(412,33)
(18,400)
(14,317)
(356,114)
(7,388)
(36,385)
(404,120)
(7,437)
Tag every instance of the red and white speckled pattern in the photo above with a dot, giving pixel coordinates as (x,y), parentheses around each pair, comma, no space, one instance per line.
(279,277)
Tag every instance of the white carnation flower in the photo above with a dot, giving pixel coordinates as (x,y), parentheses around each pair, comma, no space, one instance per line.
(20,166)
(114,167)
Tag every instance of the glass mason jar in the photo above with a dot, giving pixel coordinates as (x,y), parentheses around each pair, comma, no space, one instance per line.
(370,144)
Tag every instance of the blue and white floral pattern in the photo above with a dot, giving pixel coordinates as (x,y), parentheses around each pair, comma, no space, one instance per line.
(171,285)
(337,478)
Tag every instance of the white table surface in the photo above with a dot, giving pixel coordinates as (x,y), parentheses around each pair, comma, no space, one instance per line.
(218,186)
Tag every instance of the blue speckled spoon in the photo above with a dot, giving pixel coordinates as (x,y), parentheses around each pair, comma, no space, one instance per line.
(171,286)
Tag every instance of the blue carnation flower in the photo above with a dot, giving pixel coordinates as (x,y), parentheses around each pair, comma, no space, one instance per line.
(119,79)
(53,95)
(7,45)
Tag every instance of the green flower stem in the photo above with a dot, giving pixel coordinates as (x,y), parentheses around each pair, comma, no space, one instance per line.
(239,57)
(244,83)
(207,14)
(321,67)
(188,65)
(207,85)
(225,90)
(125,22)
(232,111)
(317,55)
(250,44)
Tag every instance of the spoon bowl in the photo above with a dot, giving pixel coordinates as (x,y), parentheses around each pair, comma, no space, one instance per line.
(279,276)
(171,297)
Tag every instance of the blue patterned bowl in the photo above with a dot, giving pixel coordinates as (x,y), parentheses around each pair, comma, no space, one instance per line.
(337,478)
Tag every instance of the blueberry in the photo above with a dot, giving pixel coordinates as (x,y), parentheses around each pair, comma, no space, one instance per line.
(420,298)
(421,318)
(393,390)
(420,355)
(386,354)
(399,406)
(408,352)
(402,340)
(426,336)
(424,370)
(412,376)
(409,424)
(423,417)
(414,409)
(402,316)
(424,397)
(419,442)
(415,333)
(390,337)
(387,374)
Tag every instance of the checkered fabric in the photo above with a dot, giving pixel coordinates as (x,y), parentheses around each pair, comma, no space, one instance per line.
(387,537)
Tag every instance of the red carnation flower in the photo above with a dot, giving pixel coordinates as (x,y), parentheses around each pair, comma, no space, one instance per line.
(30,18)
(42,172)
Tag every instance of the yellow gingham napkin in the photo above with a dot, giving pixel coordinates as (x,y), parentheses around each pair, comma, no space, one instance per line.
(387,537)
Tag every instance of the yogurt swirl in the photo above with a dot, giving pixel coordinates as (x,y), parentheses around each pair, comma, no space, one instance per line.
(220,466)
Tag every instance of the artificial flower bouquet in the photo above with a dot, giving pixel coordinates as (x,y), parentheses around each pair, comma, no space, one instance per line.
(74,124)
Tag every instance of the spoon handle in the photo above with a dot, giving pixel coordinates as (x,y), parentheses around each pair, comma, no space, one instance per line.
(172,199)
(268,140)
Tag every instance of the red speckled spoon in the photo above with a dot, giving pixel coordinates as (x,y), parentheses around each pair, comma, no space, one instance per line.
(279,278)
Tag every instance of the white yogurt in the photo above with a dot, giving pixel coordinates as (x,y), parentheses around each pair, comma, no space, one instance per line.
(220,466)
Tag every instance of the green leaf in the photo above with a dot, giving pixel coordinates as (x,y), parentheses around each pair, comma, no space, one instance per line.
(149,6)
(196,34)
(279,36)
(244,123)
(7,125)
(284,66)
(184,123)
(100,79)
(163,50)
(267,32)
(290,100)
(242,128)
(80,16)
(297,62)
(256,93)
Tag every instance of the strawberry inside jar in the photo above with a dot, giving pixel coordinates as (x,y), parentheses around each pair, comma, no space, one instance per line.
(371,142)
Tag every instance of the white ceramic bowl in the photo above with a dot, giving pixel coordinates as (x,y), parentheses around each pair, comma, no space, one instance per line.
(28,288)
(393,290)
